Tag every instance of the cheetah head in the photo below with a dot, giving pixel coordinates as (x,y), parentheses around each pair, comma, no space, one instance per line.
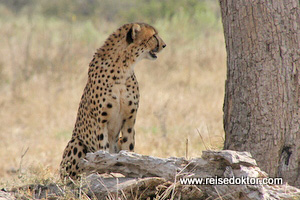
(145,36)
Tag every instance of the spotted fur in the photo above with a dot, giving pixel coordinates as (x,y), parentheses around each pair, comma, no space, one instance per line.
(109,104)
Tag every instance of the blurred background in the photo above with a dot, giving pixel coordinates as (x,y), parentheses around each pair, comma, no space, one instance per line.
(46,47)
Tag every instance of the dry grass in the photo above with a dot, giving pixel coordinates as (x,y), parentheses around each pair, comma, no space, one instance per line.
(43,70)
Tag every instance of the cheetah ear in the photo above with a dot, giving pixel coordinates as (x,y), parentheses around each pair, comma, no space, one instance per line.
(132,33)
(135,29)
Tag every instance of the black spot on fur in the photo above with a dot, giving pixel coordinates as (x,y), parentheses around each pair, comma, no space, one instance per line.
(104,114)
(75,151)
(85,150)
(131,147)
(101,136)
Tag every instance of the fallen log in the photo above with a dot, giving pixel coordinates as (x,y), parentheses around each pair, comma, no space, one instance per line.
(141,177)
(214,164)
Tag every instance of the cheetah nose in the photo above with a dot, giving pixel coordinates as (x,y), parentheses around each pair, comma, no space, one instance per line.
(163,46)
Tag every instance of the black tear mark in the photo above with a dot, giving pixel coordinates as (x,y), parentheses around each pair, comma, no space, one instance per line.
(129,38)
(286,152)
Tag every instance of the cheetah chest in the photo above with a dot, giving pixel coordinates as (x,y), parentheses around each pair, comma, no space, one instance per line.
(125,101)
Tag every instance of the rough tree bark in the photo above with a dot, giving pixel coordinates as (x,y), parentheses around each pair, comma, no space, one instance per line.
(261,106)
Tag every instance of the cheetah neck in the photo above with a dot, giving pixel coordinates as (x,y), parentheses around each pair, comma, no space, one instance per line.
(112,68)
(116,57)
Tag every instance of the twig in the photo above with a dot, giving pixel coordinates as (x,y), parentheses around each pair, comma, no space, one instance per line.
(187,148)
(202,139)
(20,165)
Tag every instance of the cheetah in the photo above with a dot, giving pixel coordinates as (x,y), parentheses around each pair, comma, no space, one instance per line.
(109,104)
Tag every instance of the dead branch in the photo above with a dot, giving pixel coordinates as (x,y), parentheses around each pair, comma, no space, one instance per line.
(160,178)
(223,164)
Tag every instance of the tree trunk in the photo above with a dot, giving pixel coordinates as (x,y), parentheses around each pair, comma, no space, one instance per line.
(261,106)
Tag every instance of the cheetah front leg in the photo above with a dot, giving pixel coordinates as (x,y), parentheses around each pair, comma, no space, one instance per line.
(102,137)
(126,142)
